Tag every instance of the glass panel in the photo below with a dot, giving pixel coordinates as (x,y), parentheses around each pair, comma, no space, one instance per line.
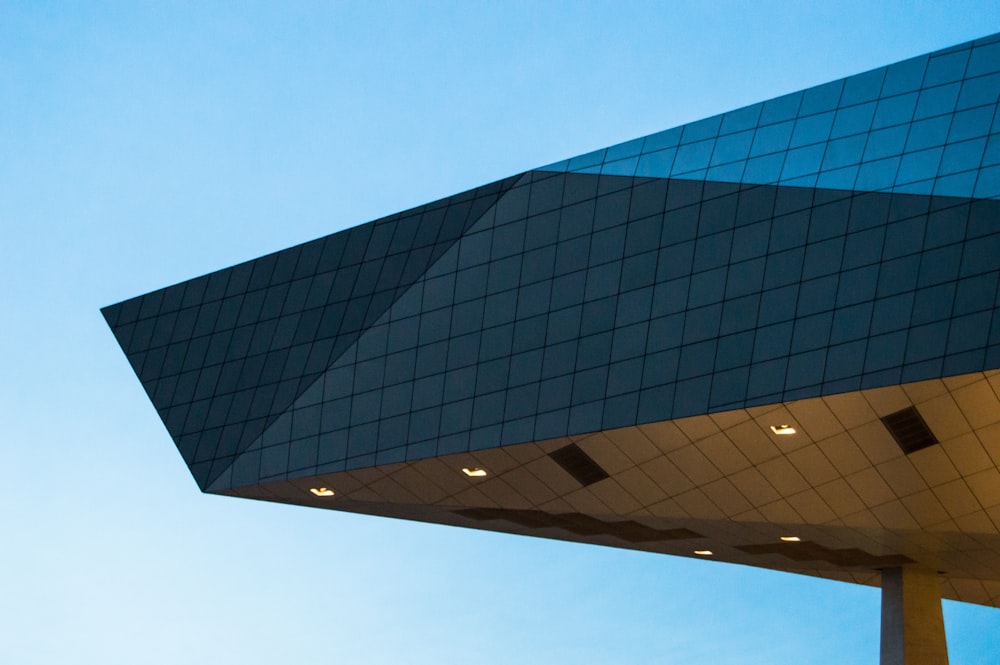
(962,156)
(773,138)
(844,152)
(732,148)
(985,60)
(972,123)
(904,76)
(782,108)
(894,111)
(936,101)
(946,68)
(693,156)
(740,119)
(928,133)
(812,129)
(885,142)
(821,98)
(701,129)
(979,91)
(863,87)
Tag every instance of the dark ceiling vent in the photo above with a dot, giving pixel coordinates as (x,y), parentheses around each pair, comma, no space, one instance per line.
(580,524)
(909,430)
(579,464)
(845,558)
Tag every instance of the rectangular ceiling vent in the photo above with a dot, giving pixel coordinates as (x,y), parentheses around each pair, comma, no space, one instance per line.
(578,464)
(909,430)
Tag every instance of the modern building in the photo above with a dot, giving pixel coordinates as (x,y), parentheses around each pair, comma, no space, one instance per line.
(770,337)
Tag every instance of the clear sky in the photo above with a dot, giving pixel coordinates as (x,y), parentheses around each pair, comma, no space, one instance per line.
(145,143)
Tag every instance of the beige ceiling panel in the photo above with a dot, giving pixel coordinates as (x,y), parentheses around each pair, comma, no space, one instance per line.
(957,498)
(584,501)
(553,475)
(753,442)
(615,497)
(870,486)
(641,486)
(813,465)
(989,436)
(851,409)
(729,499)
(841,498)
(529,486)
(667,476)
(811,506)
(986,486)
(669,509)
(923,391)
(844,453)
(815,418)
(887,400)
(607,455)
(697,427)
(727,419)
(693,463)
(967,454)
(902,477)
(754,486)
(392,491)
(697,504)
(876,442)
(926,508)
(978,522)
(894,515)
(665,435)
(979,404)
(957,381)
(502,494)
(934,465)
(783,476)
(636,445)
(418,485)
(944,417)
(498,460)
(723,453)
(780,512)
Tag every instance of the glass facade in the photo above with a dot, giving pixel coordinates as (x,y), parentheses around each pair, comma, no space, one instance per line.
(836,239)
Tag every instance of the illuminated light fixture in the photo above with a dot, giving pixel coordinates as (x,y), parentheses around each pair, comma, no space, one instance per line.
(704,552)
(474,472)
(791,539)
(782,430)
(321,491)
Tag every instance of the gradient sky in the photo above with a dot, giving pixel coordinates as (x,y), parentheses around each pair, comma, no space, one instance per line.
(143,143)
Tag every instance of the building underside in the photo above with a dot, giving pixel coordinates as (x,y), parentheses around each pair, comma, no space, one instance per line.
(726,484)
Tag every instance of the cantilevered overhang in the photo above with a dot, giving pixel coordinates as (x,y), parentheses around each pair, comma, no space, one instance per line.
(838,499)
(770,337)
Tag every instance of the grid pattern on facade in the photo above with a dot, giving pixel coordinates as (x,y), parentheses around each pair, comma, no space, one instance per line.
(576,319)
(920,126)
(223,355)
(602,293)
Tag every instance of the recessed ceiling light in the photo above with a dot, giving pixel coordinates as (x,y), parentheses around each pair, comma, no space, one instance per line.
(321,491)
(782,430)
(791,539)
(704,552)
(474,472)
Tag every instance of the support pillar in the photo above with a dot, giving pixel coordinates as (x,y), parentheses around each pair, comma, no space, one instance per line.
(912,622)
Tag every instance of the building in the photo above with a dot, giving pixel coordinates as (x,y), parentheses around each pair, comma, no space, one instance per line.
(769,337)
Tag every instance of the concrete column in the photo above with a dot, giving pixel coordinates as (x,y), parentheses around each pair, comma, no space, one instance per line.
(912,623)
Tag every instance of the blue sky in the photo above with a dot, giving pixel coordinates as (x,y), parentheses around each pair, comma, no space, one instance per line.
(142,144)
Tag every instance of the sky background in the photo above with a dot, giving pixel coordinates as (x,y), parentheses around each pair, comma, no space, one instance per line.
(143,144)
